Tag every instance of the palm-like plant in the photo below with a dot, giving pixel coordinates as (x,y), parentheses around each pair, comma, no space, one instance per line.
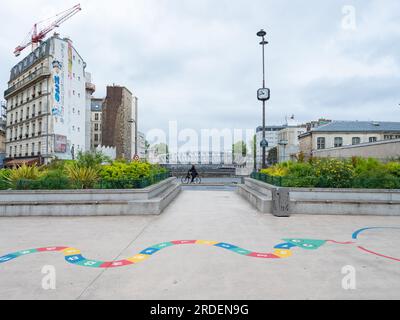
(83,177)
(24,172)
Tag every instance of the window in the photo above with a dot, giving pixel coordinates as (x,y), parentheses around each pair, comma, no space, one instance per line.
(96,116)
(356,140)
(96,127)
(320,143)
(338,142)
(373,139)
(96,137)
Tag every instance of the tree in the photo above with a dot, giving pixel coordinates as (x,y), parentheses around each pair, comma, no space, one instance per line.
(161,148)
(273,156)
(239,148)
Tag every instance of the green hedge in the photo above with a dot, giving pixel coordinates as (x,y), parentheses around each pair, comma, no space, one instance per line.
(333,173)
(63,183)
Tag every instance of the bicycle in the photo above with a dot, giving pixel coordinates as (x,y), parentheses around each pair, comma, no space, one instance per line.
(188,180)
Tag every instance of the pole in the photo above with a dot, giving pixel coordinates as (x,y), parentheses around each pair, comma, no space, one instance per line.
(263,134)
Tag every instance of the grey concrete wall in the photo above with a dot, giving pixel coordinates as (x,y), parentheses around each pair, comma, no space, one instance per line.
(255,192)
(327,201)
(151,200)
(382,150)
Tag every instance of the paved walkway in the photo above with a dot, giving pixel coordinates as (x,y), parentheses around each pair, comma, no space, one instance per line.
(201,271)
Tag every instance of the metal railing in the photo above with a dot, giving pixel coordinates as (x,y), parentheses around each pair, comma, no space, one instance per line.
(44,71)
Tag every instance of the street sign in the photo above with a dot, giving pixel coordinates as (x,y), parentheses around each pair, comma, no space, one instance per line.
(264,143)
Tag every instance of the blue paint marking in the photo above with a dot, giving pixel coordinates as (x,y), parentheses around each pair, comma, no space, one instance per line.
(149,251)
(357,233)
(286,245)
(75,258)
(226,246)
(7,258)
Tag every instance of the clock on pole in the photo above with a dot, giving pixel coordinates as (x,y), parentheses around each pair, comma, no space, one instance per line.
(263,94)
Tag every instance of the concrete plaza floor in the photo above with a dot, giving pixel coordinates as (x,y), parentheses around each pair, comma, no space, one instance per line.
(201,271)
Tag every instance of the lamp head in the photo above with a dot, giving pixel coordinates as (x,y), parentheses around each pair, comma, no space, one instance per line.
(261,33)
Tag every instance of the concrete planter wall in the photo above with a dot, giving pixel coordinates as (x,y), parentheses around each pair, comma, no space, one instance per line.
(151,200)
(321,201)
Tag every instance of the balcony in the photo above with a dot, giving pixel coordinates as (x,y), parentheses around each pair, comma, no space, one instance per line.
(42,72)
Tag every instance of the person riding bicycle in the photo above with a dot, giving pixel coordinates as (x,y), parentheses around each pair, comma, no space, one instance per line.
(192,172)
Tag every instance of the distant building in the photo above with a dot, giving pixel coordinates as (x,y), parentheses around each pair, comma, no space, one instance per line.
(271,135)
(325,140)
(46,105)
(2,136)
(288,143)
(119,122)
(142,145)
(96,123)
(90,89)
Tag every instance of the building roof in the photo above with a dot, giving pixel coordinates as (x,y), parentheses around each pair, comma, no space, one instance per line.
(359,126)
(271,128)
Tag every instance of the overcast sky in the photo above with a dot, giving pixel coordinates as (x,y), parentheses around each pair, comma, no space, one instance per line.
(199,61)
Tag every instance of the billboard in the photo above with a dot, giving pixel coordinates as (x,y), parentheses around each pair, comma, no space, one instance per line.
(60,143)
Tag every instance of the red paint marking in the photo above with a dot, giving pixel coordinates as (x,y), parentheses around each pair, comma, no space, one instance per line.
(338,242)
(184,242)
(116,264)
(378,254)
(49,249)
(263,255)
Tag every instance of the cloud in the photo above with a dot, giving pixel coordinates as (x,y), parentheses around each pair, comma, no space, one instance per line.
(199,62)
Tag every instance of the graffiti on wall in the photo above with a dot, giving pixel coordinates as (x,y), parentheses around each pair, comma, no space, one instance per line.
(58,107)
(280,251)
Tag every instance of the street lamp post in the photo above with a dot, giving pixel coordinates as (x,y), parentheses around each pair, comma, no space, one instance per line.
(263,95)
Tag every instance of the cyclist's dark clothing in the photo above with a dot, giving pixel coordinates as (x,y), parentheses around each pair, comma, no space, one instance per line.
(193,173)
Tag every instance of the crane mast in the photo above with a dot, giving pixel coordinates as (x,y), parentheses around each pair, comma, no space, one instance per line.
(36,36)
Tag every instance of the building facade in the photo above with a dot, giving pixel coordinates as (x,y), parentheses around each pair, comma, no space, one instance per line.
(90,89)
(339,134)
(271,135)
(288,143)
(142,145)
(46,105)
(96,123)
(119,122)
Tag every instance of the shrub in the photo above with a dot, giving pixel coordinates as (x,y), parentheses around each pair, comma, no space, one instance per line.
(4,182)
(91,159)
(82,177)
(24,173)
(333,173)
(393,168)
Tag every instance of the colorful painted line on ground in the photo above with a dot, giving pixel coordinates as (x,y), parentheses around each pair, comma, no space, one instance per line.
(281,251)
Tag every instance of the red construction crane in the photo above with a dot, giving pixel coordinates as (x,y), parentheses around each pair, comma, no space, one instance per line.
(35,36)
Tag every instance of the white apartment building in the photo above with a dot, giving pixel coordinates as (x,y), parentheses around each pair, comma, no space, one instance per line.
(46,105)
(141,145)
(288,143)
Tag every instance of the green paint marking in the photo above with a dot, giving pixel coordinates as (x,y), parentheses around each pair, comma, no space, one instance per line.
(308,244)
